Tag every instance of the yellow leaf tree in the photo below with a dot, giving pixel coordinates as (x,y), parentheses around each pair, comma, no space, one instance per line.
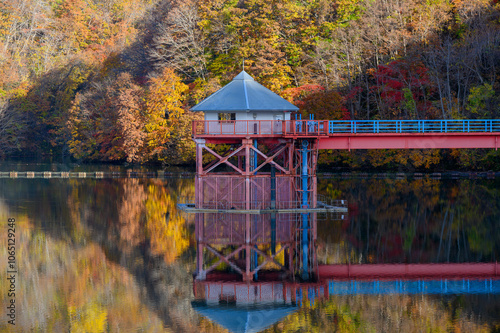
(164,107)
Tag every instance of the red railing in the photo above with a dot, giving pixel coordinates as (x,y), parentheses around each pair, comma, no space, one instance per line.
(238,128)
(334,127)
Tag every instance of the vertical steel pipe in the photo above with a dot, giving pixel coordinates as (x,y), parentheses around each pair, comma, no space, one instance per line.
(305,216)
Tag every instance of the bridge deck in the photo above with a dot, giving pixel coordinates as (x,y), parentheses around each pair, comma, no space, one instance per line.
(360,134)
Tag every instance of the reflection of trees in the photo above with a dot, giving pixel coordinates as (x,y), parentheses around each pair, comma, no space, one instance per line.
(421,220)
(100,251)
(130,211)
(103,248)
(387,313)
(92,318)
(166,227)
(148,252)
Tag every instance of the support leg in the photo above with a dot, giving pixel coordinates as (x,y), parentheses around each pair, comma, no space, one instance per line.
(305,216)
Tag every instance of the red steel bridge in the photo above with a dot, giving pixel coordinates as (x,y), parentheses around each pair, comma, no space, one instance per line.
(242,215)
(358,134)
(260,209)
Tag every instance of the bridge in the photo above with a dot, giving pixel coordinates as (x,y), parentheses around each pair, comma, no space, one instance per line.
(258,188)
(274,162)
(358,134)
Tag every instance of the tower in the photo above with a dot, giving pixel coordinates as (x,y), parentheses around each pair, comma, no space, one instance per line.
(261,209)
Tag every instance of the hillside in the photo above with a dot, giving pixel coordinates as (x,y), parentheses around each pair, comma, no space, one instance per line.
(113,80)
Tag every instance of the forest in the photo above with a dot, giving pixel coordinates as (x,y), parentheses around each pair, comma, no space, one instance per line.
(114,80)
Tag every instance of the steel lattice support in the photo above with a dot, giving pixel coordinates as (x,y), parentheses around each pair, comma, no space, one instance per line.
(244,242)
(220,241)
(280,155)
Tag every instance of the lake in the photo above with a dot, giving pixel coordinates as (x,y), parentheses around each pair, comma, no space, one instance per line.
(116,254)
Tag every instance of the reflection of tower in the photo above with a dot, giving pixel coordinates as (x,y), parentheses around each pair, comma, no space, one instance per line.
(262,215)
(253,235)
(251,306)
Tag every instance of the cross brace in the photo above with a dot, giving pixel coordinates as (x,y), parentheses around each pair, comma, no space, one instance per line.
(283,151)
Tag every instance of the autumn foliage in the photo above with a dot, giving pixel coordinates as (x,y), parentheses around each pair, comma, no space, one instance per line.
(114,80)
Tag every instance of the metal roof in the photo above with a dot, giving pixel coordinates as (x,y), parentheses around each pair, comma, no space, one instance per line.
(243,93)
(244,319)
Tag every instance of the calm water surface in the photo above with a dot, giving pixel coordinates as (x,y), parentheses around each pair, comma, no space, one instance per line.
(115,255)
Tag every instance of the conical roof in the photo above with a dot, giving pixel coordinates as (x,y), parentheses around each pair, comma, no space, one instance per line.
(243,93)
(244,319)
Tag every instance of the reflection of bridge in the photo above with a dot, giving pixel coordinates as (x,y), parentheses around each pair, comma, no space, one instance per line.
(360,134)
(254,306)
(410,271)
(451,278)
(411,287)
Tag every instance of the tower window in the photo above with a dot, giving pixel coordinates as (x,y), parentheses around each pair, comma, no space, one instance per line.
(227,116)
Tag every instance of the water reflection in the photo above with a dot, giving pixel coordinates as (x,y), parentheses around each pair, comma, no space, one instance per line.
(252,243)
(225,301)
(251,225)
(116,255)
(243,307)
(413,221)
(96,255)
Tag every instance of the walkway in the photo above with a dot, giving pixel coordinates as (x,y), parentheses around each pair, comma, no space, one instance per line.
(360,134)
